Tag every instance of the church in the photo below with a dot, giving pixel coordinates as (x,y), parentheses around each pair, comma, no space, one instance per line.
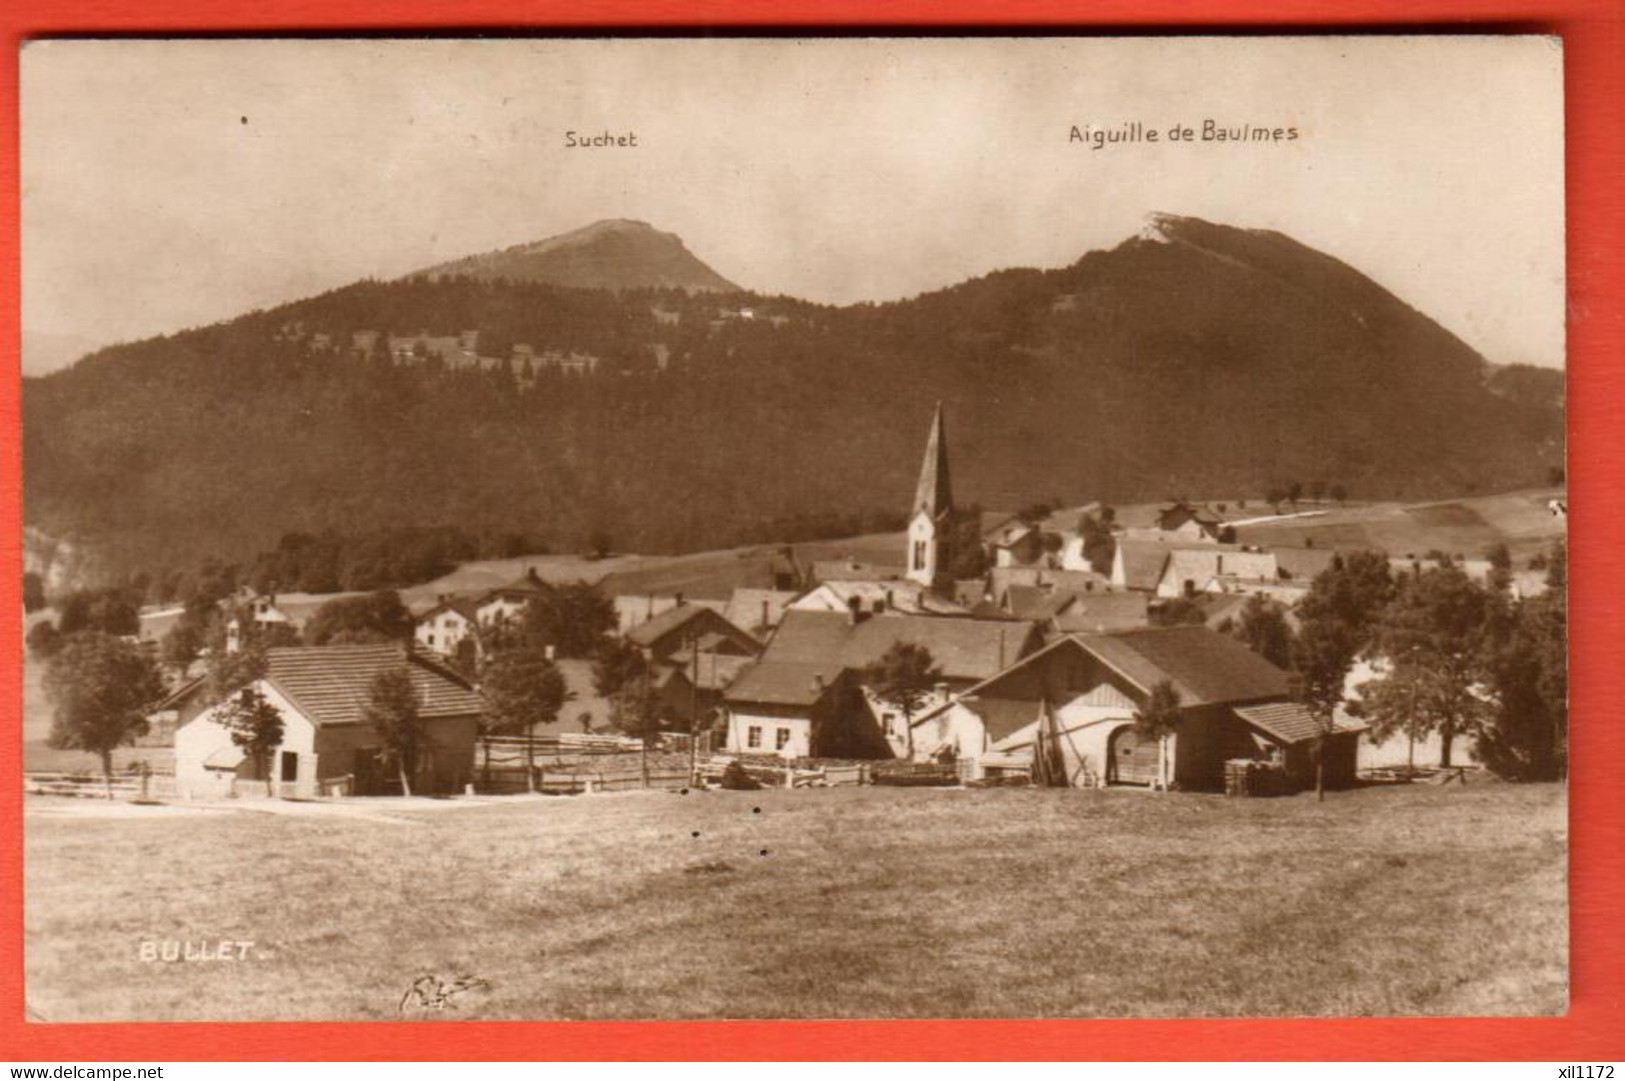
(806,696)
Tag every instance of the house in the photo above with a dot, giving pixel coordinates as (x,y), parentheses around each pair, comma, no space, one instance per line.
(1020,545)
(1183,522)
(876,598)
(1101,613)
(1189,571)
(507,601)
(806,689)
(447,625)
(1138,564)
(290,610)
(327,745)
(853,570)
(688,626)
(757,611)
(1082,694)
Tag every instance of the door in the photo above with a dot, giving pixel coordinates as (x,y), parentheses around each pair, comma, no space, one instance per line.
(1133,757)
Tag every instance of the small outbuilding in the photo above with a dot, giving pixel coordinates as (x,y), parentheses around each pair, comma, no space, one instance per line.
(328,748)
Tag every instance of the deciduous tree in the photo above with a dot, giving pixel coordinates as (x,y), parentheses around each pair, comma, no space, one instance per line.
(256,726)
(522,689)
(392,711)
(903,678)
(101,688)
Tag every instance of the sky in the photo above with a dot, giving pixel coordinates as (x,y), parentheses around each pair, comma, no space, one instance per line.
(169,184)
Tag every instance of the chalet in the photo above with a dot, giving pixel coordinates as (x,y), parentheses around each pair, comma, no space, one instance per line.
(327,746)
(506,602)
(1081,695)
(447,625)
(1183,522)
(691,626)
(805,694)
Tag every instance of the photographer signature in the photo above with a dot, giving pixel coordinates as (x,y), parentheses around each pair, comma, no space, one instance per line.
(433,993)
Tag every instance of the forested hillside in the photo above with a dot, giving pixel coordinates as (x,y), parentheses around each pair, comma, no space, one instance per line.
(1195,359)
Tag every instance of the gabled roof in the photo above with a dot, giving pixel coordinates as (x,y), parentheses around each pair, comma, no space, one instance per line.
(830,570)
(463,606)
(745,608)
(527,585)
(1100,613)
(1289,722)
(652,630)
(784,683)
(1036,602)
(1204,666)
(1142,563)
(965,649)
(330,684)
(934,494)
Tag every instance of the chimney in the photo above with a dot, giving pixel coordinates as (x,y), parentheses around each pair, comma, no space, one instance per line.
(679,598)
(942,691)
(766,622)
(854,610)
(889,602)
(818,684)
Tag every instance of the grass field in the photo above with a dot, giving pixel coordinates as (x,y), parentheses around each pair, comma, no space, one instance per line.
(835,903)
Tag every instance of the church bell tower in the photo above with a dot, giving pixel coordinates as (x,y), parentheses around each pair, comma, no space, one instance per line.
(930,522)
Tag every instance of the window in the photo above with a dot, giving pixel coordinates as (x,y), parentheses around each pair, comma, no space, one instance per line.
(888,721)
(919,555)
(753,736)
(782,739)
(290,766)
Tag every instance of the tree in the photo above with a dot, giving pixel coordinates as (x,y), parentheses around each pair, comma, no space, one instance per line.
(618,661)
(1275,497)
(230,672)
(1157,720)
(1527,735)
(1500,560)
(967,558)
(573,618)
(1263,626)
(1336,621)
(101,688)
(1438,622)
(1317,490)
(181,645)
(391,710)
(256,726)
(1099,546)
(377,617)
(1339,493)
(1294,492)
(111,611)
(903,678)
(599,543)
(1178,612)
(522,689)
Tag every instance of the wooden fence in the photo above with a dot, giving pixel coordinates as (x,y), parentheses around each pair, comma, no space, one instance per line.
(127,784)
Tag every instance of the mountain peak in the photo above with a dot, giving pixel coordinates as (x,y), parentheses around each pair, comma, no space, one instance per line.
(613,253)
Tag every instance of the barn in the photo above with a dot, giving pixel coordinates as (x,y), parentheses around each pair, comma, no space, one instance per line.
(327,747)
(1081,695)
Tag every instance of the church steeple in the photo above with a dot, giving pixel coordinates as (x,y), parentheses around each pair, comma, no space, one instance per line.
(935,494)
(930,522)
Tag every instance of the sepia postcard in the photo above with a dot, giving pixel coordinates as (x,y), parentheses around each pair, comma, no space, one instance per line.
(897,527)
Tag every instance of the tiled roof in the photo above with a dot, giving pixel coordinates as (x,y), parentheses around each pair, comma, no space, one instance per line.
(745,608)
(1098,613)
(330,684)
(825,570)
(1036,602)
(1142,563)
(463,606)
(1204,666)
(1288,722)
(650,631)
(785,683)
(963,648)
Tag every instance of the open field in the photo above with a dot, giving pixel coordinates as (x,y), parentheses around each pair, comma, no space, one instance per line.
(832,903)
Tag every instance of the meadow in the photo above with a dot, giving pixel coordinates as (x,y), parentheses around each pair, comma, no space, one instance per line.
(839,903)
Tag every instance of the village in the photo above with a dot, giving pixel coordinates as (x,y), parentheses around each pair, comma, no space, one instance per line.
(1091,653)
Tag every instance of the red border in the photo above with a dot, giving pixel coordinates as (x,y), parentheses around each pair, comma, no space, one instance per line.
(1593,31)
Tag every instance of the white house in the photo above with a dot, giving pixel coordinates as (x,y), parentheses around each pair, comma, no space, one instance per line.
(327,746)
(446,626)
